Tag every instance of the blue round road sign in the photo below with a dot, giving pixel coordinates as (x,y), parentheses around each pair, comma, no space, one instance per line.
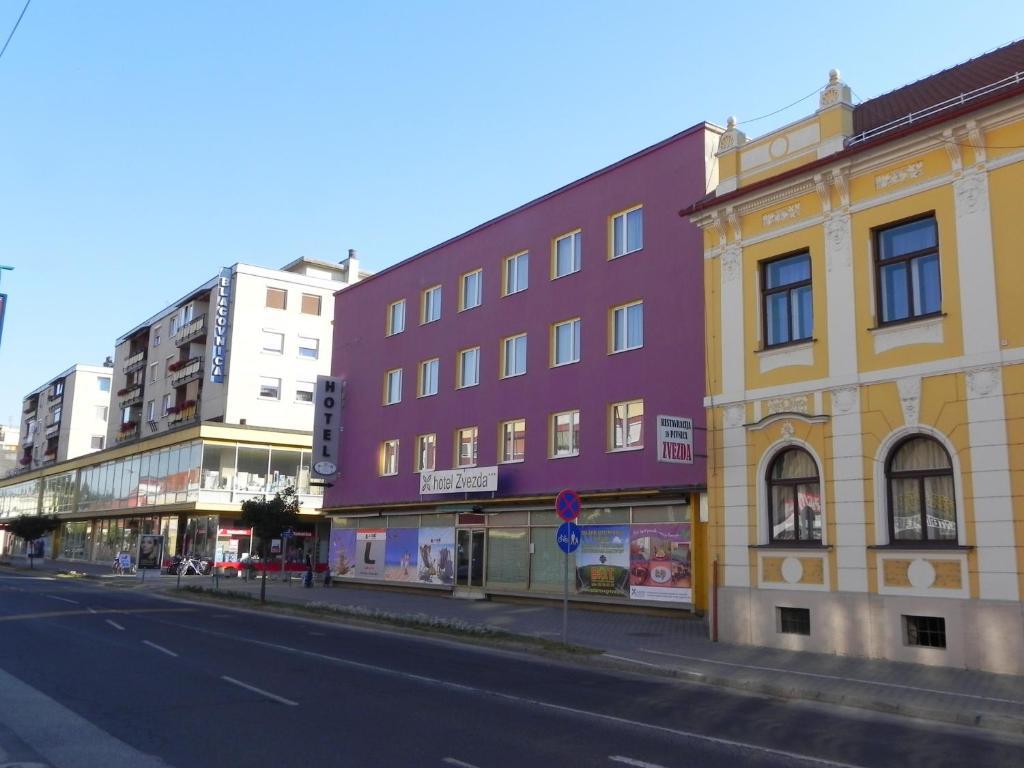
(568,537)
(567,505)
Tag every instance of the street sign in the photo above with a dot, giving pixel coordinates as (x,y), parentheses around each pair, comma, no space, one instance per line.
(567,505)
(568,537)
(287,533)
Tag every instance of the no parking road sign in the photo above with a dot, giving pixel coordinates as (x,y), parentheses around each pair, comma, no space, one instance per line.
(567,505)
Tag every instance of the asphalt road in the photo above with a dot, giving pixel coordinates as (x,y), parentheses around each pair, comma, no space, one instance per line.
(93,677)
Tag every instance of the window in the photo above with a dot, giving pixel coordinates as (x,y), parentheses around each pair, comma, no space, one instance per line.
(310,304)
(58,388)
(567,254)
(393,387)
(156,335)
(513,441)
(428,377)
(565,342)
(627,232)
(187,313)
(627,324)
(101,412)
(795,621)
(396,317)
(173,322)
(627,428)
(925,631)
(907,270)
(309,347)
(471,290)
(104,383)
(151,410)
(786,299)
(126,415)
(517,270)
(167,365)
(56,414)
(513,356)
(922,505)
(97,442)
(426,452)
(277,298)
(270,388)
(431,309)
(304,391)
(794,498)
(273,342)
(153,368)
(565,434)
(389,457)
(167,403)
(469,368)
(465,447)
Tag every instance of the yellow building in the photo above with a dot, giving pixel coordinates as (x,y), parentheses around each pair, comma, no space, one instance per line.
(865,373)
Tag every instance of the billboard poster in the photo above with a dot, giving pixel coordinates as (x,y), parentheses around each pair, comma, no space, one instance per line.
(602,560)
(151,549)
(400,560)
(659,562)
(370,545)
(342,552)
(436,555)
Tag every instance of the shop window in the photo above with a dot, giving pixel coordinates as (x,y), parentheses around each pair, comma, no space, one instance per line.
(508,558)
(794,498)
(922,505)
(786,305)
(907,270)
(794,621)
(925,631)
(548,562)
(252,469)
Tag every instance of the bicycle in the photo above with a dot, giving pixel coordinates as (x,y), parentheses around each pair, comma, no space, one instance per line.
(119,569)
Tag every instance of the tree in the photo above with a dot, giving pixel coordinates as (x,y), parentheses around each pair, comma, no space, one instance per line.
(268,518)
(32,527)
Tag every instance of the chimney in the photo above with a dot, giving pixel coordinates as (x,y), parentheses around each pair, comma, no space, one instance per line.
(108,363)
(351,265)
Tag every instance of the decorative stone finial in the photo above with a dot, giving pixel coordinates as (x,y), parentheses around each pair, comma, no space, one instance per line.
(730,122)
(833,76)
(836,92)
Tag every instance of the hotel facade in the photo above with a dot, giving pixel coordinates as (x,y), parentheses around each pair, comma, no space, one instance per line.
(865,383)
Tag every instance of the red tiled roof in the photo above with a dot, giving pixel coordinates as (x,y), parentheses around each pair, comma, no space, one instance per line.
(948,84)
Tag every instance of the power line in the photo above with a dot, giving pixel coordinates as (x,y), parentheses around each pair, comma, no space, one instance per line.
(781,109)
(15,28)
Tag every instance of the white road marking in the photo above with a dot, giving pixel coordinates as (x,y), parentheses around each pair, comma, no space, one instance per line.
(260,691)
(63,599)
(631,761)
(92,610)
(115,625)
(160,648)
(459,763)
(835,677)
(648,664)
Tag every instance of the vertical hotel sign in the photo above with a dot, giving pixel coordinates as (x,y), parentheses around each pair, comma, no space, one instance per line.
(222,300)
(327,425)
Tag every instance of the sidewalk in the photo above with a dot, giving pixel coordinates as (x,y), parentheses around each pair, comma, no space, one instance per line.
(675,646)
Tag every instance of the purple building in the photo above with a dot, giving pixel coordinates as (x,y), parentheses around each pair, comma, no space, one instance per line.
(557,346)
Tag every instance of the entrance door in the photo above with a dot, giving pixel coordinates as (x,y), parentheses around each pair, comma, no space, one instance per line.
(469,561)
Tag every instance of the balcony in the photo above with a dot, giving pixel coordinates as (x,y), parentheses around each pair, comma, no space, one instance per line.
(31,406)
(186,371)
(193,331)
(49,457)
(135,362)
(52,429)
(55,395)
(185,413)
(130,396)
(129,430)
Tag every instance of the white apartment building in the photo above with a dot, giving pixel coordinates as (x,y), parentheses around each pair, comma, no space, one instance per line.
(245,347)
(8,449)
(66,417)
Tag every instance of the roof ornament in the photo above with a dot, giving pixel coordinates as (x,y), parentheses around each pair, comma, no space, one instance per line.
(732,138)
(836,92)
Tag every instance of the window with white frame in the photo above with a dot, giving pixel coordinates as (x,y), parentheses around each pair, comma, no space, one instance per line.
(277,298)
(309,347)
(396,317)
(151,410)
(565,342)
(173,322)
(517,273)
(466,447)
(469,367)
(389,457)
(156,335)
(97,442)
(187,313)
(565,434)
(794,498)
(907,270)
(922,500)
(393,386)
(310,304)
(101,412)
(627,425)
(273,342)
(103,382)
(567,255)
(270,388)
(513,356)
(471,291)
(431,305)
(428,377)
(168,403)
(513,441)
(154,369)
(627,323)
(426,452)
(304,391)
(627,232)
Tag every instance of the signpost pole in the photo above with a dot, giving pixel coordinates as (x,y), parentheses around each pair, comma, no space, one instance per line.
(565,604)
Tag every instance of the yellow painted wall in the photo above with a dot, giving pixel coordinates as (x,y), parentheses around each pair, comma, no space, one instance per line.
(1013,398)
(1006,195)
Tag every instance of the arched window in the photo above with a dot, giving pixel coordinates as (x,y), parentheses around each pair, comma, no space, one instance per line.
(922,505)
(794,498)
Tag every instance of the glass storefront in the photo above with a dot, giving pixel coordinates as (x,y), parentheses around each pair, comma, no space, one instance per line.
(232,469)
(20,499)
(165,476)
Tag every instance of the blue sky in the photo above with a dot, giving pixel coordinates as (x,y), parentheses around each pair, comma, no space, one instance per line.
(146,144)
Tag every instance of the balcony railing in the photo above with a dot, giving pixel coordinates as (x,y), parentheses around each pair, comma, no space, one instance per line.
(30,407)
(128,431)
(55,396)
(132,396)
(196,329)
(134,362)
(52,428)
(193,369)
(184,415)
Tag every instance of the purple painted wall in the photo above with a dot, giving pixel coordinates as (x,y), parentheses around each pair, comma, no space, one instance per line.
(667,372)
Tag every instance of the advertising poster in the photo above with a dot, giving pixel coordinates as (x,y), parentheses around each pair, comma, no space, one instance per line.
(151,550)
(602,561)
(370,547)
(436,555)
(342,552)
(659,562)
(400,555)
